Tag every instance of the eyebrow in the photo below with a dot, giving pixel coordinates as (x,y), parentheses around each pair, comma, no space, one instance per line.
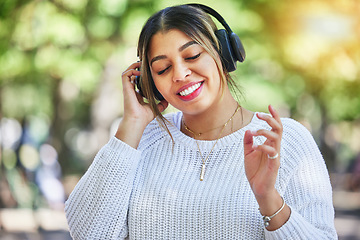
(182,48)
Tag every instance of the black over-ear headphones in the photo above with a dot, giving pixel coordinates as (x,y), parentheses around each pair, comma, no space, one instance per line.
(231,48)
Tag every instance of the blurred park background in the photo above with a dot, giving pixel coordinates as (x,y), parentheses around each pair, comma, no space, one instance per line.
(61,97)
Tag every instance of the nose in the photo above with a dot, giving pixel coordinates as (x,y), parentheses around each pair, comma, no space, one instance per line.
(180,72)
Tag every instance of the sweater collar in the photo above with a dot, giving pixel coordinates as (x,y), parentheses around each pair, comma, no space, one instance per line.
(233,138)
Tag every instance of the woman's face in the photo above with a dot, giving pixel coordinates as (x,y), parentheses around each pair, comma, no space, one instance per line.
(183,72)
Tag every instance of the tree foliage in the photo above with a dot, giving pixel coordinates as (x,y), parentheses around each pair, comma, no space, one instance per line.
(60,61)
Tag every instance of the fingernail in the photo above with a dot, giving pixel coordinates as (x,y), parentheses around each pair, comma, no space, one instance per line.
(272,108)
(254,146)
(261,115)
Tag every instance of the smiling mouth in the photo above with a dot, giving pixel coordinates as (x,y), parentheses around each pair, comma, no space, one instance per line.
(190,90)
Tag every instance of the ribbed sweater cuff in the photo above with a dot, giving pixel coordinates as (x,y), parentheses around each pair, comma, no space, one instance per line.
(116,144)
(119,154)
(295,226)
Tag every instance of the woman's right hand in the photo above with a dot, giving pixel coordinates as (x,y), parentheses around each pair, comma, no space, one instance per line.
(137,113)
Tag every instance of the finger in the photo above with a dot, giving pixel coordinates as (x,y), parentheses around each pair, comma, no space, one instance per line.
(128,87)
(276,116)
(129,73)
(275,124)
(133,66)
(266,149)
(270,135)
(274,113)
(133,80)
(248,142)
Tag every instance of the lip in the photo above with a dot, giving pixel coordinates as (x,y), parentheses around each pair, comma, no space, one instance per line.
(187,86)
(193,94)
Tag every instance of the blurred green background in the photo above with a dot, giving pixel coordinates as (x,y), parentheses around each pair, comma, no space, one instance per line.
(60,83)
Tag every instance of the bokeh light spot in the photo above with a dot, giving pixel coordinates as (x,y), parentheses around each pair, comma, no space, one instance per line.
(29,157)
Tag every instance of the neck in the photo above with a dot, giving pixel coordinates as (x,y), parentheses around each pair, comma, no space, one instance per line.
(210,123)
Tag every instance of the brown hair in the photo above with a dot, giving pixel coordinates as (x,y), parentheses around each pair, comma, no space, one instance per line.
(196,24)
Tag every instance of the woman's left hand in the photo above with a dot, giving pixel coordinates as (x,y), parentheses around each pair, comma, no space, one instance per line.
(262,161)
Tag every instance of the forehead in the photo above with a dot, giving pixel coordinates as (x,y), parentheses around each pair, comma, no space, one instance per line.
(163,42)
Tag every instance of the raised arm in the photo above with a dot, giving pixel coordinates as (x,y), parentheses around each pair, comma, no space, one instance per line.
(97,207)
(137,114)
(288,164)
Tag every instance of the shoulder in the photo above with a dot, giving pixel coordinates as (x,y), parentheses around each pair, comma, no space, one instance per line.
(296,135)
(294,128)
(299,149)
(300,155)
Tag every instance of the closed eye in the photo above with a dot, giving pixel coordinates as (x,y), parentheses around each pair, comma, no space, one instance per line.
(189,58)
(193,57)
(162,71)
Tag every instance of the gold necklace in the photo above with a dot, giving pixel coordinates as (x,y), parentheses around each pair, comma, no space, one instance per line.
(202,173)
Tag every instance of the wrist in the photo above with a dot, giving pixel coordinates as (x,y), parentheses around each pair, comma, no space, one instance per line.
(274,206)
(130,131)
(267,218)
(269,204)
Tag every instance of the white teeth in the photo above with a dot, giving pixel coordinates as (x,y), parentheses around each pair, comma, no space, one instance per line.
(190,90)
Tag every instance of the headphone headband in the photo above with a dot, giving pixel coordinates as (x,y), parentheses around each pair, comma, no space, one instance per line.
(213,13)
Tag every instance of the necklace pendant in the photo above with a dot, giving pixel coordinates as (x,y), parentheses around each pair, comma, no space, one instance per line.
(202,172)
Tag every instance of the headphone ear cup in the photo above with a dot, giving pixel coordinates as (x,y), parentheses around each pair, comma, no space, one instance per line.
(237,47)
(226,50)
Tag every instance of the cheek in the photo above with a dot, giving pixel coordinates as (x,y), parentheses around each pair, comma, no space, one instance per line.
(209,65)
(212,69)
(155,79)
(162,86)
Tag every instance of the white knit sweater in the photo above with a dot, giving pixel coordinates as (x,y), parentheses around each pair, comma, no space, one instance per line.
(154,192)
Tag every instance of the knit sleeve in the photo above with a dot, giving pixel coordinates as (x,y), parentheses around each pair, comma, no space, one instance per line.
(305,186)
(97,207)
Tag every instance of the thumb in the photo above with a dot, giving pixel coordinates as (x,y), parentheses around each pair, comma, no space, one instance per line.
(248,142)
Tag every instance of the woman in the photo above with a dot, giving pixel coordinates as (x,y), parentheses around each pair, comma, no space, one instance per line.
(213,170)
